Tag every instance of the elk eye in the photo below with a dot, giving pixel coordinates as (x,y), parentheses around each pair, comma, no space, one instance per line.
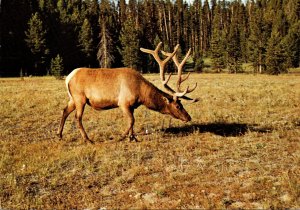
(177,106)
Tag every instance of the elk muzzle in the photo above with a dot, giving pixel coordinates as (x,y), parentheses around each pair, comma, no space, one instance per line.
(177,111)
(185,116)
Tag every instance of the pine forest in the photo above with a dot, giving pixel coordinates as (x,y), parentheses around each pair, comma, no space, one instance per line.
(66,34)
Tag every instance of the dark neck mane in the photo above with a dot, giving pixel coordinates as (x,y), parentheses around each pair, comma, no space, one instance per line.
(153,97)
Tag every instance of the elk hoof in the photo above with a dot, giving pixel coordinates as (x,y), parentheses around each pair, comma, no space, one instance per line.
(130,137)
(59,135)
(133,138)
(89,141)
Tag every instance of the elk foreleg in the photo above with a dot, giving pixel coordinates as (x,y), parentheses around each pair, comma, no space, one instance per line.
(128,113)
(67,110)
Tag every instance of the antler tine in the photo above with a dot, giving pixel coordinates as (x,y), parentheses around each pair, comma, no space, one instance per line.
(185,78)
(192,89)
(182,94)
(154,52)
(180,66)
(175,59)
(165,84)
(171,55)
(162,63)
(179,93)
(158,47)
(184,60)
(182,79)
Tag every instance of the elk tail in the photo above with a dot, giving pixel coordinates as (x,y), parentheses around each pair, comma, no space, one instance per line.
(68,78)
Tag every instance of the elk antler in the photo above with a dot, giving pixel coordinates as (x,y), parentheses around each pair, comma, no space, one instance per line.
(162,63)
(179,92)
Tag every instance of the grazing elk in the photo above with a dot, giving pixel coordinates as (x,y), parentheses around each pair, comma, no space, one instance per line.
(104,89)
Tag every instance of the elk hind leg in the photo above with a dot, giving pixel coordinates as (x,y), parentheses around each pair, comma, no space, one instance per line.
(66,112)
(78,116)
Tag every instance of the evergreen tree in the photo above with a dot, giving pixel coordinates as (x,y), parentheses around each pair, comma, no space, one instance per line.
(276,56)
(105,52)
(132,9)
(14,52)
(169,23)
(259,34)
(234,53)
(198,61)
(76,17)
(217,44)
(179,22)
(130,44)
(36,41)
(149,27)
(109,35)
(187,30)
(92,14)
(62,9)
(195,25)
(57,67)
(292,11)
(106,13)
(280,23)
(242,18)
(86,38)
(122,11)
(291,43)
(205,27)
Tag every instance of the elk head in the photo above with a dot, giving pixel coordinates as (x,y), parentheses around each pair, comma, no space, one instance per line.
(173,105)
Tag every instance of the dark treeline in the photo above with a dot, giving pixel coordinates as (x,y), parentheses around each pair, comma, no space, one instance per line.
(108,33)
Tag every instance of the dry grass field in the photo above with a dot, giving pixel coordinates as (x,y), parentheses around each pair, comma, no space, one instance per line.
(241,150)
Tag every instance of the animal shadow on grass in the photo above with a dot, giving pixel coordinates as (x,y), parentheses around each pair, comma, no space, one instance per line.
(220,129)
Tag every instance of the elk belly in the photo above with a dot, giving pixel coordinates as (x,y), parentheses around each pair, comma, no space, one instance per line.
(103,104)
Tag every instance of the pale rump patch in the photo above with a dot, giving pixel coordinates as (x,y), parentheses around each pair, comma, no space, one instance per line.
(68,78)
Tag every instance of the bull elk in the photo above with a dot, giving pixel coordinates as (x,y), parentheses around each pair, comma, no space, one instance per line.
(104,89)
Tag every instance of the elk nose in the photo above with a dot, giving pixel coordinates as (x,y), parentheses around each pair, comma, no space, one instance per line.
(188,118)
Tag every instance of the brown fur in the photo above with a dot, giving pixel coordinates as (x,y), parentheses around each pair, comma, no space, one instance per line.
(111,88)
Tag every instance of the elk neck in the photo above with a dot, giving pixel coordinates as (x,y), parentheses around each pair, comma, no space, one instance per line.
(153,98)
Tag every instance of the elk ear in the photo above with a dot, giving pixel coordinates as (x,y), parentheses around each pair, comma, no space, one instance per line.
(166,100)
